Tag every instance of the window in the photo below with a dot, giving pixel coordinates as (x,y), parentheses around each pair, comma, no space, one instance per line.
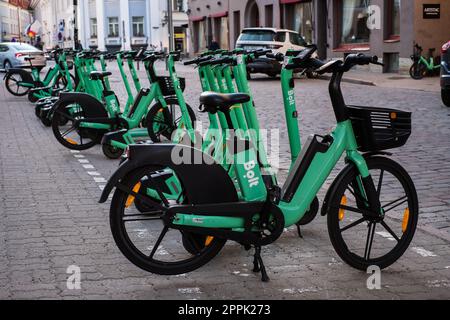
(113,24)
(297,40)
(393,18)
(177,5)
(93,27)
(3,48)
(354,15)
(299,17)
(138,26)
(280,37)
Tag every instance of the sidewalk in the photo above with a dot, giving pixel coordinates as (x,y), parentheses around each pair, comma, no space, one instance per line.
(393,80)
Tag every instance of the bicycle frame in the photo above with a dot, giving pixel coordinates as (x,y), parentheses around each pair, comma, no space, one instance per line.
(429,64)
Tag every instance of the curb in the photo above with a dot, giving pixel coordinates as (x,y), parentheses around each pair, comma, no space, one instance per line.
(351,80)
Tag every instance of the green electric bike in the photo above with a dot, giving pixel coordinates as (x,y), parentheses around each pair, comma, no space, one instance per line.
(422,66)
(372,191)
(90,119)
(20,82)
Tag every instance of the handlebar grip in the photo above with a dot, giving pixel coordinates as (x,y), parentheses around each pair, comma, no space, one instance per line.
(261,53)
(188,63)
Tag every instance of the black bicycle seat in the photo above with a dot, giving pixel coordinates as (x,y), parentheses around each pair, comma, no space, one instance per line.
(222,101)
(99,75)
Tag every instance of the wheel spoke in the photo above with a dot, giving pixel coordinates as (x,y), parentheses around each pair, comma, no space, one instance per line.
(67,132)
(350,209)
(380,182)
(369,241)
(354,224)
(388,229)
(158,242)
(141,217)
(395,204)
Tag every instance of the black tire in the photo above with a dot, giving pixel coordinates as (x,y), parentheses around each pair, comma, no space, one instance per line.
(7,65)
(131,248)
(311,214)
(61,82)
(46,121)
(82,139)
(11,81)
(445,93)
(32,98)
(348,249)
(417,71)
(111,152)
(163,117)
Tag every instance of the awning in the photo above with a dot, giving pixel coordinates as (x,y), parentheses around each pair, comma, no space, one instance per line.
(194,19)
(291,1)
(219,14)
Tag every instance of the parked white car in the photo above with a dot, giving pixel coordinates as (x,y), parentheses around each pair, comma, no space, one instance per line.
(278,40)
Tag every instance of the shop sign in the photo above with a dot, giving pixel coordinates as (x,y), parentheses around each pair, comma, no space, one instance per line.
(431,11)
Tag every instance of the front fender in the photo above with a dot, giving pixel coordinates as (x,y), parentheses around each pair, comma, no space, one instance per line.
(92,107)
(343,173)
(204,181)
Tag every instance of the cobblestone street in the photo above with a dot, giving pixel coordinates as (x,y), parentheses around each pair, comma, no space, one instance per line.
(50,218)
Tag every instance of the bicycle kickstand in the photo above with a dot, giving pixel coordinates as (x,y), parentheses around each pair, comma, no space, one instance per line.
(258,265)
(299,231)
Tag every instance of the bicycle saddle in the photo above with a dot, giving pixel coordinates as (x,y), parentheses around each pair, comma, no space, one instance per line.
(213,100)
(99,75)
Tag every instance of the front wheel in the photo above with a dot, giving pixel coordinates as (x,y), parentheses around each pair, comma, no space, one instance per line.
(360,240)
(446,97)
(163,122)
(417,71)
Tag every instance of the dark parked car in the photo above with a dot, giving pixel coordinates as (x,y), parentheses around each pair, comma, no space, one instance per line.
(445,74)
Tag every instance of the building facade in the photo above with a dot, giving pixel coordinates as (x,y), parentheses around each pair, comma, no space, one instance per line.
(126,24)
(387,28)
(15,16)
(113,24)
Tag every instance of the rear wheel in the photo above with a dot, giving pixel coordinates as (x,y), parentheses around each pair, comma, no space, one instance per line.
(147,242)
(163,122)
(32,97)
(445,93)
(112,152)
(66,118)
(362,241)
(417,71)
(12,85)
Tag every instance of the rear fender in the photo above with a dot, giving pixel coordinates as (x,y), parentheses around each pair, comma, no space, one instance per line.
(204,183)
(26,76)
(91,106)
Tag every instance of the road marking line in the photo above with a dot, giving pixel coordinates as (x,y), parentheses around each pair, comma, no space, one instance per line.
(83,161)
(424,253)
(100,180)
(88,166)
(386,235)
(74,151)
(79,156)
(102,187)
(94,173)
